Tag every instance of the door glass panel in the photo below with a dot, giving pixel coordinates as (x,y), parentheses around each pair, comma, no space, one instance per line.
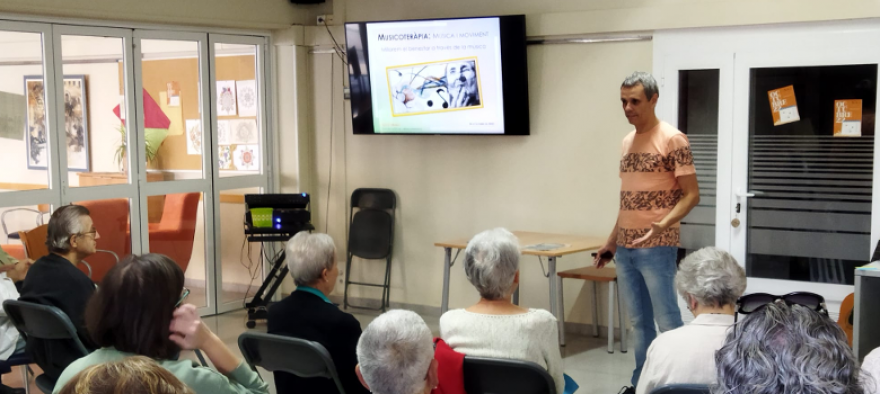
(112,219)
(241,264)
(811,217)
(698,92)
(180,235)
(238,106)
(93,110)
(172,109)
(23,125)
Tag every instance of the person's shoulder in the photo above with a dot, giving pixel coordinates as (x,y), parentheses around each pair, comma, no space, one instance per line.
(669,131)
(197,377)
(541,315)
(99,356)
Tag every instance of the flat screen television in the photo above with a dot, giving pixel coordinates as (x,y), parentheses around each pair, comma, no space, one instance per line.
(441,76)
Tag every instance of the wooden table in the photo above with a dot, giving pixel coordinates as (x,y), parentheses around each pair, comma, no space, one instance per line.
(573,244)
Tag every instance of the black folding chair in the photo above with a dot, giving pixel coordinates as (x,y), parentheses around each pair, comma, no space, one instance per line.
(502,376)
(35,321)
(371,236)
(300,357)
(682,389)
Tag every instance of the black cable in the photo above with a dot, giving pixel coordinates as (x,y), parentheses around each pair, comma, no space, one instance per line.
(336,47)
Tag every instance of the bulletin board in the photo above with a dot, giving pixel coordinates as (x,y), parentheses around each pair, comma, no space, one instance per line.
(172,153)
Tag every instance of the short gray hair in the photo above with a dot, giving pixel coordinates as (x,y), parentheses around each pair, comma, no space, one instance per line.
(712,276)
(394,353)
(491,261)
(308,255)
(782,349)
(63,223)
(645,79)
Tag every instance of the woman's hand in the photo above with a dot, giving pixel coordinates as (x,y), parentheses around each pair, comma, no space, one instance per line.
(187,329)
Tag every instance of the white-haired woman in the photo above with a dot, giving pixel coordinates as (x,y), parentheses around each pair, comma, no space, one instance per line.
(710,281)
(396,355)
(307,313)
(494,327)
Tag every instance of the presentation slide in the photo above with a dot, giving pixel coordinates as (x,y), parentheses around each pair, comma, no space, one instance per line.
(436,76)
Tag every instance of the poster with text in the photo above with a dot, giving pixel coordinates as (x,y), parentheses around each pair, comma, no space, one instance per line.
(847,118)
(436,76)
(783,105)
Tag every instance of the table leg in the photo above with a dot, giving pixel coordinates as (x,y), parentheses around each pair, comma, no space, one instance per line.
(595,308)
(621,316)
(444,302)
(611,317)
(551,275)
(561,320)
(516,296)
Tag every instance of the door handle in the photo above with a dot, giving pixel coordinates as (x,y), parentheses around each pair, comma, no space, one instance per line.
(748,194)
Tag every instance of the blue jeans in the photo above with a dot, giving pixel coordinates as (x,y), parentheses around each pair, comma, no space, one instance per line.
(647,285)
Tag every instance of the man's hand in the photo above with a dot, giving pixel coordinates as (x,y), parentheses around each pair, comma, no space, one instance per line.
(598,261)
(20,270)
(654,232)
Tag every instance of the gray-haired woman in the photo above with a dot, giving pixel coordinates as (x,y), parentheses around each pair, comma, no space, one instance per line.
(494,327)
(309,314)
(710,281)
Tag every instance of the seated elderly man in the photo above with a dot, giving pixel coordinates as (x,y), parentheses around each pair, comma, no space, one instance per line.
(396,355)
(494,327)
(785,347)
(55,280)
(710,281)
(308,314)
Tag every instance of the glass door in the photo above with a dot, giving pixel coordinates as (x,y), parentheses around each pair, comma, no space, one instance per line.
(93,81)
(239,120)
(176,188)
(805,174)
(695,97)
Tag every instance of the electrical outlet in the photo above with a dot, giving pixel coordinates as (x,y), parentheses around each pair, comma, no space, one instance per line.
(328,19)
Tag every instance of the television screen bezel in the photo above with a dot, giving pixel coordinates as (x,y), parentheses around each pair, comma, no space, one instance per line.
(514,70)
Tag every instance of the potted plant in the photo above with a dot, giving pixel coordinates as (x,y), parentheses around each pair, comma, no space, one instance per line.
(153,139)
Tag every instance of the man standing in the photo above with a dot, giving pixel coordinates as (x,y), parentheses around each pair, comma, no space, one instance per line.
(658,188)
(54,280)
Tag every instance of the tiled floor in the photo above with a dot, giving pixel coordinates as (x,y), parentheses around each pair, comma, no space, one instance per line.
(586,358)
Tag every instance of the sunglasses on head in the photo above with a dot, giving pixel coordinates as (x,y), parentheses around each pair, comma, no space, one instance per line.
(754,302)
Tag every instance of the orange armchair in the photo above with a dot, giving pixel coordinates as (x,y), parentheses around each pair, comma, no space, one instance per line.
(111,218)
(174,235)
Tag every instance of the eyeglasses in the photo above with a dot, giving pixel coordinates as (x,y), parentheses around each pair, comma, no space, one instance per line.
(182,297)
(754,302)
(93,232)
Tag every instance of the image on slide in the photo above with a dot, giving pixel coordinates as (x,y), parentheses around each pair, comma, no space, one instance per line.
(434,87)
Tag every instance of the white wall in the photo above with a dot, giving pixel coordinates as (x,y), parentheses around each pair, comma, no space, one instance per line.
(563,178)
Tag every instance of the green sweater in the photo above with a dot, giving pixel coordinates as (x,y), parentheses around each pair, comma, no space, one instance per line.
(202,380)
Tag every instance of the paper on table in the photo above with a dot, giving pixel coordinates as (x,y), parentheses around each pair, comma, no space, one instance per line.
(544,247)
(13,108)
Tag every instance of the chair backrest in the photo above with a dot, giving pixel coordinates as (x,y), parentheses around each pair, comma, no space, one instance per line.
(175,234)
(682,389)
(374,199)
(34,241)
(43,322)
(300,357)
(111,218)
(500,376)
(371,232)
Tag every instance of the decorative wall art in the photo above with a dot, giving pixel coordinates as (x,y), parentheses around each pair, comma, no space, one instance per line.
(247,97)
(226,98)
(222,132)
(76,125)
(246,157)
(243,131)
(193,137)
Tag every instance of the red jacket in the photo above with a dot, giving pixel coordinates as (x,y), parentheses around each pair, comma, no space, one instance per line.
(450,369)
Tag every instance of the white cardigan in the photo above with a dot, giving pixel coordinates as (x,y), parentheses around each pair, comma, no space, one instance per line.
(530,336)
(685,354)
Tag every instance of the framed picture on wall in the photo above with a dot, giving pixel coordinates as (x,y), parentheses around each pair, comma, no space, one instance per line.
(76,124)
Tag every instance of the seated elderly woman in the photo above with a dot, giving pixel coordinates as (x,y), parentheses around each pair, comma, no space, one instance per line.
(786,349)
(871,371)
(137,311)
(710,281)
(494,327)
(308,314)
(131,375)
(396,355)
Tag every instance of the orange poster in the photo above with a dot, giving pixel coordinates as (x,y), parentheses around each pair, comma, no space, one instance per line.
(847,118)
(783,105)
